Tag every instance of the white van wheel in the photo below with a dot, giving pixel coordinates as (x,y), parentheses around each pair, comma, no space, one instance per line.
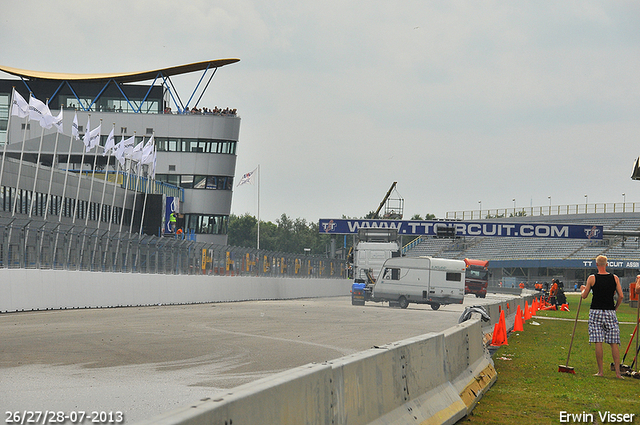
(402,301)
(435,306)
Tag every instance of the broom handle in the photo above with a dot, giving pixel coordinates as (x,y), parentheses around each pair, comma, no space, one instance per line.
(574,330)
(630,341)
(637,324)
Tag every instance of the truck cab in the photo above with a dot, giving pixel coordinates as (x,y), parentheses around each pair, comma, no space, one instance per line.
(477,277)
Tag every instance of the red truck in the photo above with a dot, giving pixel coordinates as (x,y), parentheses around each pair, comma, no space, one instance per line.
(476,277)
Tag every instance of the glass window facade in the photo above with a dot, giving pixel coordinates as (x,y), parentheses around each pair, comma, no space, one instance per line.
(189,181)
(207,224)
(172,144)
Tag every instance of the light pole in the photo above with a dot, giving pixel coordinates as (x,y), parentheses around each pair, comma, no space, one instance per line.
(480,211)
(586,201)
(624,201)
(549,204)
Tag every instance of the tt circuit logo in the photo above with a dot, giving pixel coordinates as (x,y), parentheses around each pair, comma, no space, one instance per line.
(329,226)
(592,233)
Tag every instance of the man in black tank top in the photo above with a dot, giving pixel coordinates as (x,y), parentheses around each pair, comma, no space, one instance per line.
(603,322)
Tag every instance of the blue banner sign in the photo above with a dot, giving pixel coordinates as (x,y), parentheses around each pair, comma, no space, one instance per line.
(465,228)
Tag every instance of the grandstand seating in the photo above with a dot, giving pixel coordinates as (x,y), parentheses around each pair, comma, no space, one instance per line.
(514,248)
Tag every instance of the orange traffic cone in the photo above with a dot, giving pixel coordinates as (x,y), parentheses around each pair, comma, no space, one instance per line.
(527,311)
(517,325)
(499,335)
(564,307)
(496,339)
(534,307)
(503,327)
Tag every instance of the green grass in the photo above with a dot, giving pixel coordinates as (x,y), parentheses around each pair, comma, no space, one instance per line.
(530,390)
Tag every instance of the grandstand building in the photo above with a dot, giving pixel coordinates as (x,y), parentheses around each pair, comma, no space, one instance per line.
(525,259)
(195,162)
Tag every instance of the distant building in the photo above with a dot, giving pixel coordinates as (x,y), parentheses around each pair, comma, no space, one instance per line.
(196,151)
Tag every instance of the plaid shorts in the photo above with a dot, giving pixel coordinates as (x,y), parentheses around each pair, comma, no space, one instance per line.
(603,326)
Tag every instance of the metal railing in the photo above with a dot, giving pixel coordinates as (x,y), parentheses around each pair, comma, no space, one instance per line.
(548,210)
(32,244)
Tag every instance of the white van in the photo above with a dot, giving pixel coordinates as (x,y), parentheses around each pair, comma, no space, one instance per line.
(420,280)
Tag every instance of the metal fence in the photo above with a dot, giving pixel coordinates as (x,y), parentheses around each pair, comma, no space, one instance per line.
(480,214)
(32,244)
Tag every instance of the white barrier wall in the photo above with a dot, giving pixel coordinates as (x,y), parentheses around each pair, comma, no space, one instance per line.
(431,379)
(24,289)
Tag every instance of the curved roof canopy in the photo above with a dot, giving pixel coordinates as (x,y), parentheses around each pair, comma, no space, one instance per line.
(127,77)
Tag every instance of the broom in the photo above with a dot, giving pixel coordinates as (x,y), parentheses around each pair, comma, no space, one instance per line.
(565,368)
(624,367)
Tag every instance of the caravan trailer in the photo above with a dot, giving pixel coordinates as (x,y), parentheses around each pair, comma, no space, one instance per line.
(420,280)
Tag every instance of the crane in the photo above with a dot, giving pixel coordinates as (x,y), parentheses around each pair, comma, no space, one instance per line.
(391,212)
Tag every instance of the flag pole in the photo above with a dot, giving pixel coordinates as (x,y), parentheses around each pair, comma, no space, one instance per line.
(24,137)
(64,187)
(135,193)
(115,185)
(66,171)
(93,174)
(6,141)
(53,161)
(106,175)
(147,187)
(35,178)
(127,183)
(258,243)
(86,136)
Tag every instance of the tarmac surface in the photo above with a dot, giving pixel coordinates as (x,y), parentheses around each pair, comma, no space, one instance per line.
(144,361)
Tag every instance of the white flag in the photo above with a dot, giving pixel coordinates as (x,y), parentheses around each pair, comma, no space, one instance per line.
(147,152)
(85,138)
(40,112)
(119,151)
(136,154)
(128,146)
(57,122)
(153,165)
(110,144)
(75,132)
(20,107)
(94,138)
(247,178)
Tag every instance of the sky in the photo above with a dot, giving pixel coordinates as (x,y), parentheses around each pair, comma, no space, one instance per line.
(464,104)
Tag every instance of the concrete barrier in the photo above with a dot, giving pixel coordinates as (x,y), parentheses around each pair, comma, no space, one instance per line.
(26,289)
(430,379)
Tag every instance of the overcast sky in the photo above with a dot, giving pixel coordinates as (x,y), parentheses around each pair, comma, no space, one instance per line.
(459,102)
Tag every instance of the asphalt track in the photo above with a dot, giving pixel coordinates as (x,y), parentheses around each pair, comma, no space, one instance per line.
(144,361)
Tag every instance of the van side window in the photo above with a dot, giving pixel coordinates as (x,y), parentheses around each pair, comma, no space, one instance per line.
(455,277)
(392,274)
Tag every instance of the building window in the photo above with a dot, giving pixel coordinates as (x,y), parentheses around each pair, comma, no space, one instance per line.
(206,224)
(226,147)
(188,181)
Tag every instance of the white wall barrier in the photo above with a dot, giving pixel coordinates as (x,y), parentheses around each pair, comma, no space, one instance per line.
(32,289)
(430,379)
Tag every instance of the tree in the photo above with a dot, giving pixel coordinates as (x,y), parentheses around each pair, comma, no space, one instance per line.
(242,231)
